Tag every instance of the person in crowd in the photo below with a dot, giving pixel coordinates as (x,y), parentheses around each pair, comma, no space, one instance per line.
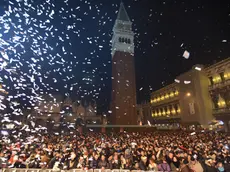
(195,165)
(184,167)
(102,164)
(164,166)
(155,151)
(71,163)
(152,165)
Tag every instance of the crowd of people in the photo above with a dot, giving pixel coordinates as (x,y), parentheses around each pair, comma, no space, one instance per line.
(156,151)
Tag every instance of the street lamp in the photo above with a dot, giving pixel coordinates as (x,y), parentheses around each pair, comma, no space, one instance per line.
(188,94)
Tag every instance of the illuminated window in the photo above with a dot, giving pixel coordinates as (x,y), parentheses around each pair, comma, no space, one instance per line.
(217,79)
(178,110)
(173,111)
(163,113)
(171,94)
(176,92)
(158,99)
(221,104)
(166,96)
(168,112)
(159,112)
(226,75)
(162,97)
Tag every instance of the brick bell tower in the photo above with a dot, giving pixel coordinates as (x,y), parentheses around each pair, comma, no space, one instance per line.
(123,104)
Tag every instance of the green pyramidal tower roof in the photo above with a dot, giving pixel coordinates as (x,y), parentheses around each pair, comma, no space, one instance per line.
(122,14)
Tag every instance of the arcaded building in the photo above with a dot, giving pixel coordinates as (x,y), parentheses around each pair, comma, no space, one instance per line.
(58,110)
(198,96)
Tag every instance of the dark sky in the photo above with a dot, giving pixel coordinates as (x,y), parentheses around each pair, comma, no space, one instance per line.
(161,28)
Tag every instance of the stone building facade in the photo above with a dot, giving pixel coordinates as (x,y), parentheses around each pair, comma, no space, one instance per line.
(198,96)
(57,111)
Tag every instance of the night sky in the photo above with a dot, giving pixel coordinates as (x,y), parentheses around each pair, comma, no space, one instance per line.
(75,59)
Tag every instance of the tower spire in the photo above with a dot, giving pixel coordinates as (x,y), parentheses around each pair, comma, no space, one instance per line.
(122,14)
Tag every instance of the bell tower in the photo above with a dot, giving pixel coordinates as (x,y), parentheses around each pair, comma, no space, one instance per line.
(123,104)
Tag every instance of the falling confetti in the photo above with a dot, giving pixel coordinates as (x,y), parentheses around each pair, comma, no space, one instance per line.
(193,133)
(177,80)
(187,82)
(186,54)
(149,123)
(198,68)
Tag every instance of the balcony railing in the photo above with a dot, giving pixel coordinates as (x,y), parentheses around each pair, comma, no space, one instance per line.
(220,111)
(167,117)
(219,85)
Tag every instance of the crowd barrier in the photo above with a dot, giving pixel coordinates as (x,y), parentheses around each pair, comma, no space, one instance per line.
(74,170)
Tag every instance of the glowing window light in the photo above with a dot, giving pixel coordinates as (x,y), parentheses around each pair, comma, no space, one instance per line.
(158,99)
(221,103)
(176,92)
(178,110)
(159,113)
(217,79)
(154,100)
(171,94)
(166,96)
(173,112)
(162,97)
